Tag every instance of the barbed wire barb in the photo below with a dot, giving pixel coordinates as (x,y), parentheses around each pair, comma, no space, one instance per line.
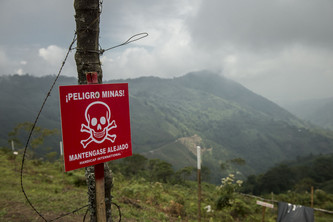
(70,48)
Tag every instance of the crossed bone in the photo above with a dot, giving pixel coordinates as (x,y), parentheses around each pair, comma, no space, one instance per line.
(90,139)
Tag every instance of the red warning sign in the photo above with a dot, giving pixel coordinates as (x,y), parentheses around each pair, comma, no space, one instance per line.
(95,122)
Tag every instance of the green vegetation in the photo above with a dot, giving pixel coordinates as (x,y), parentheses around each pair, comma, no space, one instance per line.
(145,190)
(297,176)
(37,138)
(231,121)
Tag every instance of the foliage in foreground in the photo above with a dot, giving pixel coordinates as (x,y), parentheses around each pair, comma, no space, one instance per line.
(298,175)
(53,193)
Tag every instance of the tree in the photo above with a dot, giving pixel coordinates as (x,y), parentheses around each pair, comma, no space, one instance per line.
(134,164)
(228,164)
(160,170)
(251,185)
(185,173)
(278,179)
(322,169)
(87,60)
(38,135)
(205,173)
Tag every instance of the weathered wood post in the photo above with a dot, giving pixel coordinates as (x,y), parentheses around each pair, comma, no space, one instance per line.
(311,196)
(87,15)
(264,206)
(263,213)
(199,181)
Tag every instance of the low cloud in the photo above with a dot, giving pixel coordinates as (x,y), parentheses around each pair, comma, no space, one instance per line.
(52,54)
(279,49)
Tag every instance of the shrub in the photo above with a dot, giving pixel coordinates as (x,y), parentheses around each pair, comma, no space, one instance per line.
(240,209)
(227,191)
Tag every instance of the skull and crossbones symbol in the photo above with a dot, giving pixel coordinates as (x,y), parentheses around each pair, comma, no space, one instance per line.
(98,116)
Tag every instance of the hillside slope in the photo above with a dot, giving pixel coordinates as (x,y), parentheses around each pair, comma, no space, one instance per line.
(231,121)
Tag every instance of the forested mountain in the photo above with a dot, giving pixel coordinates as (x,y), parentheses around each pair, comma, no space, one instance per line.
(169,117)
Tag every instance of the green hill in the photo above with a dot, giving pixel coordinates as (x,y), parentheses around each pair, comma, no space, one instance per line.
(231,121)
(228,120)
(56,194)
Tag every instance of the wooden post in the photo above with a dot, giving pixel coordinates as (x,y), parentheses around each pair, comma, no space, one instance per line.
(264,206)
(87,51)
(61,148)
(263,213)
(87,58)
(100,193)
(13,147)
(199,182)
(99,170)
(311,196)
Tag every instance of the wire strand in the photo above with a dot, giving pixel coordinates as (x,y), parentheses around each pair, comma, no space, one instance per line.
(63,215)
(276,201)
(70,48)
(131,39)
(34,125)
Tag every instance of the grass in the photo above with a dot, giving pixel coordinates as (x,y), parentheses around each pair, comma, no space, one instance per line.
(53,193)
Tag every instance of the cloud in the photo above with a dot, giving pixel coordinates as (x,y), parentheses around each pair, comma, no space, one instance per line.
(52,54)
(294,73)
(121,19)
(267,46)
(20,71)
(166,52)
(262,25)
(35,61)
(53,57)
(9,65)
(3,57)
(279,49)
(36,21)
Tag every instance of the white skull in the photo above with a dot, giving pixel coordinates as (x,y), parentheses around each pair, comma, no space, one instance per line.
(98,117)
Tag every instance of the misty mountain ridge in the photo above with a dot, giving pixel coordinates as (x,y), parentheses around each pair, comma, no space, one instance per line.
(316,111)
(169,117)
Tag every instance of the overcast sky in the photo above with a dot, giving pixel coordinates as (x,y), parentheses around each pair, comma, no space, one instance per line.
(280,49)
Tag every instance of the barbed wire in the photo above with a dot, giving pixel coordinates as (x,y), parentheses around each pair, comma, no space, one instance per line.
(70,48)
(35,122)
(131,39)
(276,201)
(66,214)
